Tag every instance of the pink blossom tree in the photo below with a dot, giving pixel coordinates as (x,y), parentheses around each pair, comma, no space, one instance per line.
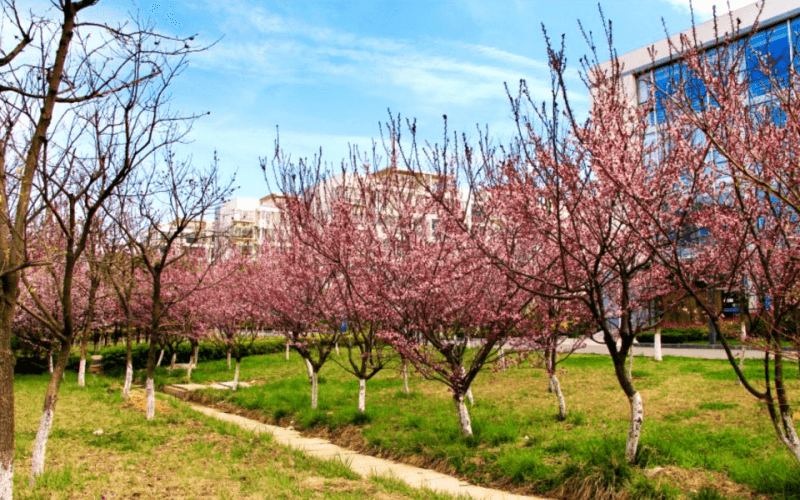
(729,142)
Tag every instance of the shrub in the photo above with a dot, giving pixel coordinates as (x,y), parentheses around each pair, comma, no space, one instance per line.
(678,334)
(114,356)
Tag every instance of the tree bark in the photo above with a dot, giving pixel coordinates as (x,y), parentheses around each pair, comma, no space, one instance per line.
(229,358)
(172,361)
(470,397)
(46,422)
(82,363)
(362,396)
(7,309)
(406,390)
(160,357)
(635,428)
(463,415)
(236,374)
(562,405)
(657,346)
(287,350)
(50,361)
(314,390)
(742,350)
(630,365)
(126,390)
(150,388)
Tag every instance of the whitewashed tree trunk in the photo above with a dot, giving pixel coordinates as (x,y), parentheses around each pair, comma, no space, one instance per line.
(150,393)
(310,369)
(236,376)
(126,390)
(791,441)
(463,416)
(6,481)
(160,357)
(562,405)
(470,397)
(630,364)
(189,371)
(229,358)
(406,390)
(336,345)
(195,355)
(82,372)
(314,389)
(657,346)
(40,445)
(172,362)
(50,362)
(635,428)
(742,350)
(362,395)
(287,350)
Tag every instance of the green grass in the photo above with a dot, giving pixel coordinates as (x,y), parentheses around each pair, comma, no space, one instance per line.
(696,419)
(179,454)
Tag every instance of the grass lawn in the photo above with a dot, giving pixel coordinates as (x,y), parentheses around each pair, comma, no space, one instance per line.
(178,455)
(704,437)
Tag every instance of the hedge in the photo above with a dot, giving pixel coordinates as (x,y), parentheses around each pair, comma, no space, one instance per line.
(114,356)
(677,334)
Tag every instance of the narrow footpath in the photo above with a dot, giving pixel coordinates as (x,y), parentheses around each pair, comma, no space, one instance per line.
(365,465)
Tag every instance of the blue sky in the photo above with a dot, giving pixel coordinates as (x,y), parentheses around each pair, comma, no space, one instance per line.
(326,72)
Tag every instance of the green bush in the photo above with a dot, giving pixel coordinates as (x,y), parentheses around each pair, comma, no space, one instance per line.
(678,334)
(114,356)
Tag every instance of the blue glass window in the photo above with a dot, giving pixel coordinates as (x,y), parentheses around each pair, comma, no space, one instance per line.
(672,78)
(768,58)
(796,43)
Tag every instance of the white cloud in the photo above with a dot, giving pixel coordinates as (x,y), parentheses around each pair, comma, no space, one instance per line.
(282,50)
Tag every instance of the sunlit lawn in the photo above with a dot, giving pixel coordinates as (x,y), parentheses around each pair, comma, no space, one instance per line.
(698,421)
(179,455)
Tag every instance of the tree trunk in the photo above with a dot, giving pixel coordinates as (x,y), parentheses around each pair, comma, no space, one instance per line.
(195,354)
(126,390)
(229,358)
(657,346)
(287,350)
(172,361)
(336,345)
(82,364)
(470,397)
(160,357)
(562,405)
(150,388)
(50,361)
(310,369)
(189,370)
(406,390)
(362,396)
(236,374)
(630,365)
(635,428)
(46,423)
(314,389)
(463,415)
(742,350)
(8,304)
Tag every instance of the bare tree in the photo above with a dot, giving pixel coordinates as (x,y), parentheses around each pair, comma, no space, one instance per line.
(172,201)
(70,93)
